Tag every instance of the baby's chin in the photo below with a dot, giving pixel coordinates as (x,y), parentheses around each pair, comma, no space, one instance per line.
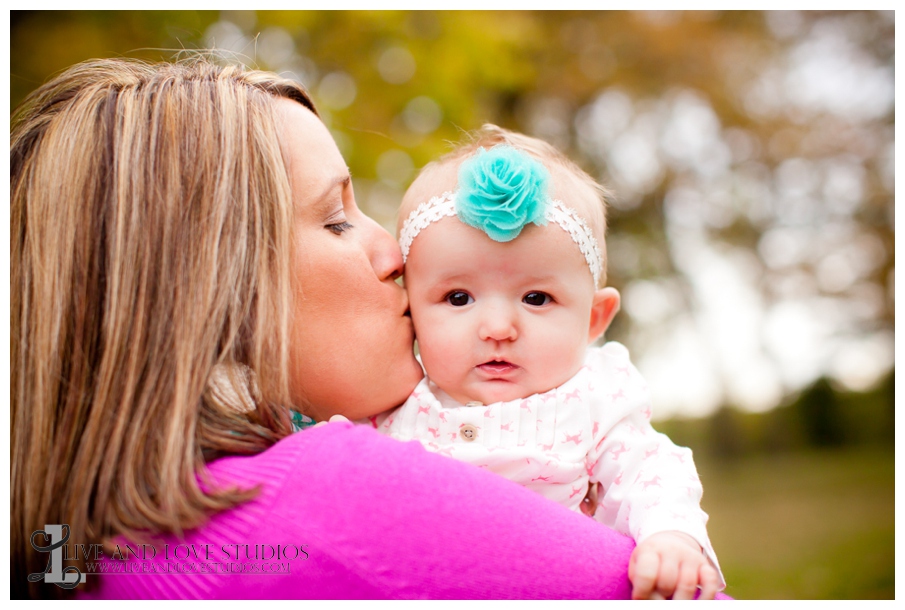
(489,392)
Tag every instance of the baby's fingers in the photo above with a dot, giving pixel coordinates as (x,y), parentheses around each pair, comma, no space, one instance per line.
(710,581)
(667,577)
(333,418)
(687,582)
(642,572)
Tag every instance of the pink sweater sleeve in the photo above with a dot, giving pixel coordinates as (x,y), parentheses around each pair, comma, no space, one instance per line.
(378,518)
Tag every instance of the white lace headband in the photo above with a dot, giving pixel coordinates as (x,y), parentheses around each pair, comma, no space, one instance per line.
(444,205)
(500,192)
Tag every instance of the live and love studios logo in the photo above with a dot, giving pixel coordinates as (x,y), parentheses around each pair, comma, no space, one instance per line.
(183,559)
(68,577)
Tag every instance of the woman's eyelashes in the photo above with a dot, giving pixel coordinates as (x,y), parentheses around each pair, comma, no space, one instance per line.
(339,227)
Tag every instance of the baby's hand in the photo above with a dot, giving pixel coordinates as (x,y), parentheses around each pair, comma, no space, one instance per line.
(670,565)
(333,418)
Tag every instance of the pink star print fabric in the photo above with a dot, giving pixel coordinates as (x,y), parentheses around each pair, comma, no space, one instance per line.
(593,428)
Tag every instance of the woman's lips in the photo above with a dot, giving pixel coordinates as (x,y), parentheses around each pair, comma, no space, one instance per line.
(497,368)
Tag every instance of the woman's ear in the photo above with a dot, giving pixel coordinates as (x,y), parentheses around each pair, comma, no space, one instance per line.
(603,310)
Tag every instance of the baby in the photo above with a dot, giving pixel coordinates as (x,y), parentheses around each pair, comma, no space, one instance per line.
(503,242)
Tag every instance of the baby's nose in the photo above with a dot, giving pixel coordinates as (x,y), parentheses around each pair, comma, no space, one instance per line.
(498,323)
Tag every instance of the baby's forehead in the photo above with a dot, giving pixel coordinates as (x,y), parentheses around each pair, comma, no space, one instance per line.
(539,252)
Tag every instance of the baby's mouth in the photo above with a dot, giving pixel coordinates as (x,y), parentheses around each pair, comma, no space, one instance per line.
(497,367)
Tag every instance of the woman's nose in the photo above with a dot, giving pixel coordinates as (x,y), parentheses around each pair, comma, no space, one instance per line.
(384,252)
(498,323)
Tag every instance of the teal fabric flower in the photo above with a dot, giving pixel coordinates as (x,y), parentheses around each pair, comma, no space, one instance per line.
(501,191)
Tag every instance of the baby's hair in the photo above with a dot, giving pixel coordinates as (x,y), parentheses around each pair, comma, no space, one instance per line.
(488,136)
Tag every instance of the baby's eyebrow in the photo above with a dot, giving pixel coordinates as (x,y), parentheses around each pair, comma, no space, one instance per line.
(549,277)
(452,280)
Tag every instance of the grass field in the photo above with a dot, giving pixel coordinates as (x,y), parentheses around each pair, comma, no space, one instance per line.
(806,525)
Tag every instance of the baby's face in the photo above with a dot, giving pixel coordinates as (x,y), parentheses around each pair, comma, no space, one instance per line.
(498,321)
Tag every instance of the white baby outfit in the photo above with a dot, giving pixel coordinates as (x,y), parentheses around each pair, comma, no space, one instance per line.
(595,427)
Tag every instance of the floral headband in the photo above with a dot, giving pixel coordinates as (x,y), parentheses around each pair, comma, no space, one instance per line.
(500,192)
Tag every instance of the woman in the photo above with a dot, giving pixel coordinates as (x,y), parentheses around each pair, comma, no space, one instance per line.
(188,266)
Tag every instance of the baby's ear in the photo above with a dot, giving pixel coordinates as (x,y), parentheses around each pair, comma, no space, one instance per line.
(603,310)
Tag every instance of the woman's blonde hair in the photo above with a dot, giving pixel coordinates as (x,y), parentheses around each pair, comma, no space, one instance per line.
(151,219)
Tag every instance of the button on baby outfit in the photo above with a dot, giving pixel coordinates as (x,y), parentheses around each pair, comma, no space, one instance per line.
(468,433)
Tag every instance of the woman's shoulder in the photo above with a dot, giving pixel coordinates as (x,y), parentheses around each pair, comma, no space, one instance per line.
(309,532)
(317,476)
(344,512)
(335,445)
(319,447)
(313,467)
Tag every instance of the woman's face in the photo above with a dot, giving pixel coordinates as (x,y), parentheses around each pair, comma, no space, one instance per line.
(351,344)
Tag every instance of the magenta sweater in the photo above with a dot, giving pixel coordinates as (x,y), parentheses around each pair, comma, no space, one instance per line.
(363,516)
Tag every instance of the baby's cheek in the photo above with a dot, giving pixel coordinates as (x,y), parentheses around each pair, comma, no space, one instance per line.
(437,350)
(562,358)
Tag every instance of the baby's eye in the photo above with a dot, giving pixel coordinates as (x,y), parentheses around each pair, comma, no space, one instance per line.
(537,299)
(457,298)
(339,227)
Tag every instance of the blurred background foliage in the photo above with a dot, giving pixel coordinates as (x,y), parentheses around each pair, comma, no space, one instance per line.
(751,156)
